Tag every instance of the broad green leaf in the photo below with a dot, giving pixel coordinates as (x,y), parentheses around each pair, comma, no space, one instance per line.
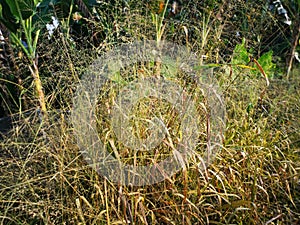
(240,54)
(21,9)
(7,18)
(266,63)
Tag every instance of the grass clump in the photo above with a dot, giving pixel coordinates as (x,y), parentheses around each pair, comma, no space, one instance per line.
(254,179)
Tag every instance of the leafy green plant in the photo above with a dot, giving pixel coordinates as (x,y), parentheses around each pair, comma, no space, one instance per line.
(22,13)
(265,61)
(158,22)
(263,65)
(23,18)
(240,54)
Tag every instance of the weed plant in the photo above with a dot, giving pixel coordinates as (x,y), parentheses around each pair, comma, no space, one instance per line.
(254,179)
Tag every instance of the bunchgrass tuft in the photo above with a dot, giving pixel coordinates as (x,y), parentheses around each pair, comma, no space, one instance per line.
(254,179)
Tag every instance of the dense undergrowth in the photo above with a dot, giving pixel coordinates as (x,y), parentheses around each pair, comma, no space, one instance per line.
(254,179)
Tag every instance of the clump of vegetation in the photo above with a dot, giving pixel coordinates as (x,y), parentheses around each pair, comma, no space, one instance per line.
(254,179)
